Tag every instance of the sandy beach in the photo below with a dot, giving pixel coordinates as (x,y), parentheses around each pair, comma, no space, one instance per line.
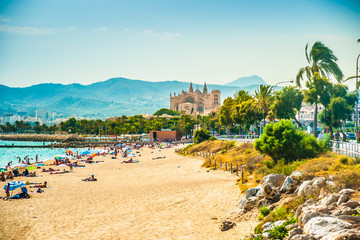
(169,198)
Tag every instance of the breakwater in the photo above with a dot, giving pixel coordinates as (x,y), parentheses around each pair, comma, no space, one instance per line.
(42,137)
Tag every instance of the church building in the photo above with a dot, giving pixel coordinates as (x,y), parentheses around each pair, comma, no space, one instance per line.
(196,102)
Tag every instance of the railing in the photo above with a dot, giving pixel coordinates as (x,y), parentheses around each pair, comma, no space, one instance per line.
(350,149)
(239,138)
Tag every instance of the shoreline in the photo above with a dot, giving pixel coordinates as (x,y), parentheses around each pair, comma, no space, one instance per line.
(168,198)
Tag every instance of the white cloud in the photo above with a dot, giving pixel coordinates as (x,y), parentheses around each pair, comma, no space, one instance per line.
(161,35)
(32,30)
(101,29)
(3,19)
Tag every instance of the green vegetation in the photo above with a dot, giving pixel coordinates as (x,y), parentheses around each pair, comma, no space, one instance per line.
(201,135)
(282,141)
(167,111)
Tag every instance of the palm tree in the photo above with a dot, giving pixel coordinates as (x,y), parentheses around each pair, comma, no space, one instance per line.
(263,96)
(322,60)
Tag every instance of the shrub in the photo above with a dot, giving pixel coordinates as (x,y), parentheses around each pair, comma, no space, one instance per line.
(282,140)
(344,160)
(278,232)
(258,229)
(349,179)
(201,135)
(264,211)
(212,138)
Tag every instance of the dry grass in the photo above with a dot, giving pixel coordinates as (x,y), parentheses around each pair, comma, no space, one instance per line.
(345,170)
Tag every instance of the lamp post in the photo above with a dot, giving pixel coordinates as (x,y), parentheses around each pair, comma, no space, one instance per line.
(282,82)
(357,95)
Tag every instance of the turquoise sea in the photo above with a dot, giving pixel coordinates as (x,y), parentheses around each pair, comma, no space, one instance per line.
(11,154)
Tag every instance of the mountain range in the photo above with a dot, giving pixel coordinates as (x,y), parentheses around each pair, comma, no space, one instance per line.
(113,97)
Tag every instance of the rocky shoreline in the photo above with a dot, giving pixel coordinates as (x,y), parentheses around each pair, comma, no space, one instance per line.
(316,209)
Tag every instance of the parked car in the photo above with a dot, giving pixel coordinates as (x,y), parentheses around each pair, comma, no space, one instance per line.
(350,135)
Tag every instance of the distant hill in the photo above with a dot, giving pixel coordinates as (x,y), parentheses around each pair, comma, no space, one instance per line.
(113,97)
(246,81)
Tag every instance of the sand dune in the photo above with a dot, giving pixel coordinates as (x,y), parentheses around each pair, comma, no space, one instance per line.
(171,198)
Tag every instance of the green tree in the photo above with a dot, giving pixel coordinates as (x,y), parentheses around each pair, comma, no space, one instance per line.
(340,107)
(319,91)
(264,98)
(166,111)
(201,135)
(282,141)
(287,102)
(321,60)
(225,113)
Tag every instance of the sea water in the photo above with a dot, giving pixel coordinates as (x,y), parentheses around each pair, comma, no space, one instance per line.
(12,154)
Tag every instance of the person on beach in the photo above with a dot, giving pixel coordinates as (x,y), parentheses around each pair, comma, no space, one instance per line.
(2,177)
(40,185)
(128,161)
(7,192)
(92,178)
(70,166)
(36,158)
(10,175)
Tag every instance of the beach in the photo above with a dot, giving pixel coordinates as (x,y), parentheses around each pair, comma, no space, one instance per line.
(167,198)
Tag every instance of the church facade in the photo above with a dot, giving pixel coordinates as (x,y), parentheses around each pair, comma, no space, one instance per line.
(196,102)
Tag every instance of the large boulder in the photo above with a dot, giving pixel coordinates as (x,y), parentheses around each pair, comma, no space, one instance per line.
(247,204)
(343,199)
(306,189)
(329,199)
(270,193)
(343,210)
(307,215)
(347,191)
(319,182)
(319,227)
(352,234)
(251,192)
(274,180)
(351,203)
(297,175)
(286,185)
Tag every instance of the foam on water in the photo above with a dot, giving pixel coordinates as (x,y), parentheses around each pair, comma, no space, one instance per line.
(11,154)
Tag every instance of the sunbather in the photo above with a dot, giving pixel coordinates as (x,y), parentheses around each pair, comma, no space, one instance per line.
(40,185)
(128,161)
(92,178)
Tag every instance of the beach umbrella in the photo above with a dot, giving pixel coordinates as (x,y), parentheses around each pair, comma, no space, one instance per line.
(31,168)
(20,165)
(68,151)
(40,165)
(112,153)
(113,136)
(85,152)
(63,165)
(93,155)
(14,185)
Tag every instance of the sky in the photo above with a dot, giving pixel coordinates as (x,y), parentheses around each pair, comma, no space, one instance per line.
(86,41)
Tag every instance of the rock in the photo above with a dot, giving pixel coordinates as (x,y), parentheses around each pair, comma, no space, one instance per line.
(274,180)
(267,226)
(347,191)
(319,182)
(270,193)
(331,185)
(234,215)
(344,211)
(287,184)
(301,237)
(247,204)
(332,206)
(226,225)
(262,202)
(306,189)
(260,194)
(292,226)
(343,199)
(242,203)
(351,203)
(278,223)
(251,192)
(294,232)
(266,236)
(321,226)
(330,199)
(352,234)
(307,215)
(296,175)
